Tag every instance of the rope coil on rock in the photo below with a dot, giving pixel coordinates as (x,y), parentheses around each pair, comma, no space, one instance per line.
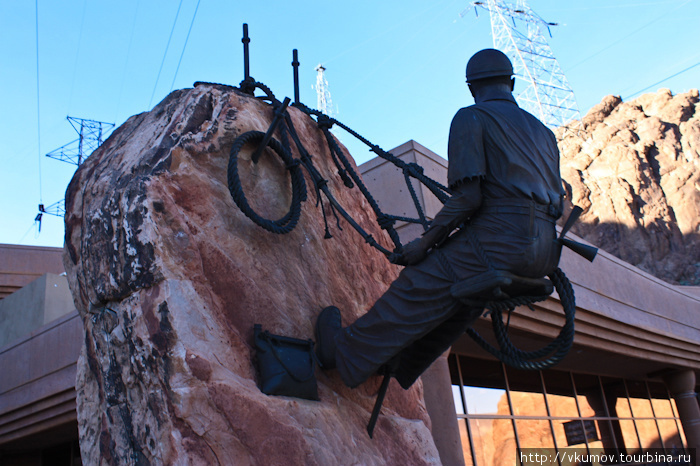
(346,171)
(289,221)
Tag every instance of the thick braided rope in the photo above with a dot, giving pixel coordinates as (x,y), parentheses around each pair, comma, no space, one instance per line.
(555,350)
(381,217)
(508,353)
(346,171)
(409,170)
(440,191)
(287,222)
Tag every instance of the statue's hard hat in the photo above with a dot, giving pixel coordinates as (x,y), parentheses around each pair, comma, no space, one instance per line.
(488,63)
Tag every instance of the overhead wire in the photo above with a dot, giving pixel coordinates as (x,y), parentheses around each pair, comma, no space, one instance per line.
(38,104)
(126,62)
(631,34)
(194,15)
(626,37)
(32,227)
(659,82)
(428,64)
(167,46)
(77,55)
(611,6)
(383,32)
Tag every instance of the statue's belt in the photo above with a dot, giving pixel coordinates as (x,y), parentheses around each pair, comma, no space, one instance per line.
(548,212)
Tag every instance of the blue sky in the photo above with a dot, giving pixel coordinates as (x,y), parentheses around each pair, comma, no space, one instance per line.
(395,69)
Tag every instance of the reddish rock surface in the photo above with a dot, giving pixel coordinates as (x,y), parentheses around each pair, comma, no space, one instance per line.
(169,277)
(634,167)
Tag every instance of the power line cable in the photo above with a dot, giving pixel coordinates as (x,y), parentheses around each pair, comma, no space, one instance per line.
(612,6)
(77,55)
(128,54)
(410,78)
(38,105)
(665,79)
(165,54)
(185,46)
(32,227)
(627,36)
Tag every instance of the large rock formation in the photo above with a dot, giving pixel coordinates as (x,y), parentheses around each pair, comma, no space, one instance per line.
(635,169)
(169,277)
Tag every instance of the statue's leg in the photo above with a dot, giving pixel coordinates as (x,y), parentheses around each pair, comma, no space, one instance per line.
(416,358)
(417,303)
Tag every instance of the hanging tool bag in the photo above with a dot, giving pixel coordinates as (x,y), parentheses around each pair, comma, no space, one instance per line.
(286,366)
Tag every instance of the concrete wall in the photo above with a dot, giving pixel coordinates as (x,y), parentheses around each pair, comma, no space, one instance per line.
(386,183)
(642,324)
(40,302)
(40,338)
(37,386)
(20,265)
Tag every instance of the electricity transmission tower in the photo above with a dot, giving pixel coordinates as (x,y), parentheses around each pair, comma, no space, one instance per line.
(323,95)
(90,134)
(519,33)
(57,208)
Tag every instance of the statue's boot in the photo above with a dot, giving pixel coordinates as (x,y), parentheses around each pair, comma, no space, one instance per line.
(328,325)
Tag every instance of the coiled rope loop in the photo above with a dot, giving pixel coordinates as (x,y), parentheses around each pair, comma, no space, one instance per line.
(544,357)
(289,221)
(346,171)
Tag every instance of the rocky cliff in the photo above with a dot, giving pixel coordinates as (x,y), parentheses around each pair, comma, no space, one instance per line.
(169,277)
(634,167)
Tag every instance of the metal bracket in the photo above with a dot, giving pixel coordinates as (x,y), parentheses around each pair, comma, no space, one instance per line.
(246,54)
(295,65)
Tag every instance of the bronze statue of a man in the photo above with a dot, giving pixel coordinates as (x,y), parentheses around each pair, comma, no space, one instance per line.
(507,194)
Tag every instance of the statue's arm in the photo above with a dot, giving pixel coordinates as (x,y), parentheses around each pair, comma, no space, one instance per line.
(466,168)
(463,204)
(465,200)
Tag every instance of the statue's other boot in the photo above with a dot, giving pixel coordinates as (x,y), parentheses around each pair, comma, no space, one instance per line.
(328,325)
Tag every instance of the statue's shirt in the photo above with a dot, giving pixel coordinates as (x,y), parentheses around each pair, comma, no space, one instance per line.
(513,153)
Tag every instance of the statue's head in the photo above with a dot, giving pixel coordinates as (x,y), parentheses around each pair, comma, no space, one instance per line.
(488,63)
(487,68)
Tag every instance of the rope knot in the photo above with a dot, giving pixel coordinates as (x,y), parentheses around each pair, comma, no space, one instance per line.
(385,221)
(324,121)
(247,85)
(413,169)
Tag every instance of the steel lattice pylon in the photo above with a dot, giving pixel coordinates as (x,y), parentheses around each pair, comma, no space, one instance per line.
(323,94)
(518,32)
(57,208)
(90,133)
